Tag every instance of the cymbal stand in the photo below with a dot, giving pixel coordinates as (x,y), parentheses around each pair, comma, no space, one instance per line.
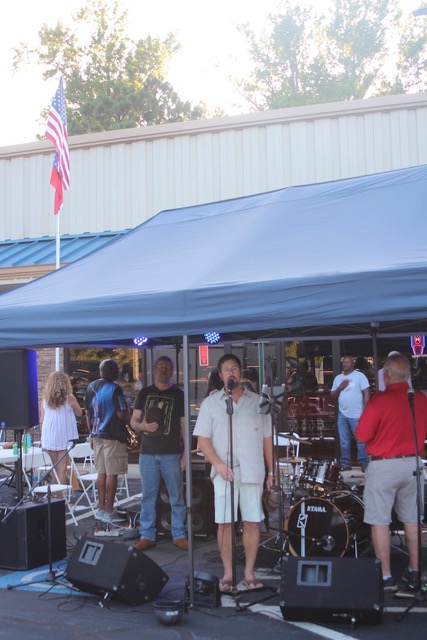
(419,594)
(272,403)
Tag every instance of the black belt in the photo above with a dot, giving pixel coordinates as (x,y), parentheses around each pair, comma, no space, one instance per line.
(410,455)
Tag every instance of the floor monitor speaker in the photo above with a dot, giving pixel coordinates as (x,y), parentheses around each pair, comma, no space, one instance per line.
(18,384)
(116,570)
(24,535)
(331,589)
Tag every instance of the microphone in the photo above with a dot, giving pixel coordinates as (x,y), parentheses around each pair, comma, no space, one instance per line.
(231,383)
(411,397)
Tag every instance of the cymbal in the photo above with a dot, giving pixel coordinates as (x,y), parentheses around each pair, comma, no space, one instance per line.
(293,437)
(292,460)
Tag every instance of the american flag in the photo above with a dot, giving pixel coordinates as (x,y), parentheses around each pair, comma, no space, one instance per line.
(56,131)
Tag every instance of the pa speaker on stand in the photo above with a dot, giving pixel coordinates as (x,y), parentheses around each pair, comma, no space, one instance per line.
(19,392)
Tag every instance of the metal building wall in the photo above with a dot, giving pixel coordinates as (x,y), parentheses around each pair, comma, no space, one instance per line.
(121,178)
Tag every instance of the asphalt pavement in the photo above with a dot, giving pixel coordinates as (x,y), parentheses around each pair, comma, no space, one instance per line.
(54,608)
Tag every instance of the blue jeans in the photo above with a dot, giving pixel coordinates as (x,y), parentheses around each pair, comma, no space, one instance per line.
(152,468)
(346,427)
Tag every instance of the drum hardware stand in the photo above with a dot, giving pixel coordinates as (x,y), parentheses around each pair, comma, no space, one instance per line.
(419,594)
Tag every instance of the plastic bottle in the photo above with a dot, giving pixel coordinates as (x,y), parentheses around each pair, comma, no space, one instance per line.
(15,449)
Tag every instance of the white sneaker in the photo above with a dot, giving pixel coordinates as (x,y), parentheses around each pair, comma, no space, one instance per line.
(112,518)
(99,514)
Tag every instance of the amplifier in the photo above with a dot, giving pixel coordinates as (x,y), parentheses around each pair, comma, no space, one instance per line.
(200,468)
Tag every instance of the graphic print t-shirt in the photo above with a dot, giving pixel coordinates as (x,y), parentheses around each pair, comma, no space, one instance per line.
(103,400)
(166,408)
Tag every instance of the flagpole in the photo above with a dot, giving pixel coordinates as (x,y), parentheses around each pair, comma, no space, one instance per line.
(58,264)
(56,131)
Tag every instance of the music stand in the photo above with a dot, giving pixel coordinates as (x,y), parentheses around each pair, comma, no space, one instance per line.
(272,403)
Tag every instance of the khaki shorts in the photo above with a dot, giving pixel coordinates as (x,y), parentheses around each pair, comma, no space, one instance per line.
(391,484)
(246,496)
(111,456)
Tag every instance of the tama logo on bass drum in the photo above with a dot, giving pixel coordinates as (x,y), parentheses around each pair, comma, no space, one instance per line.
(316,509)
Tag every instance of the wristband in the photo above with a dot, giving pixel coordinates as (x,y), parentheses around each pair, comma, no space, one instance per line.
(270,473)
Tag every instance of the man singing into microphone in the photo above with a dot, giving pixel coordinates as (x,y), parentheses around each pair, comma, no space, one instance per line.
(386,426)
(252,455)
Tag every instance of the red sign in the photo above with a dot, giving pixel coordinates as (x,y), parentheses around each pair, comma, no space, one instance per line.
(203,355)
(418,343)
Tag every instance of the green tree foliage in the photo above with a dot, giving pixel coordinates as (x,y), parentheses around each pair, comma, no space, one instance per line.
(111,81)
(359,49)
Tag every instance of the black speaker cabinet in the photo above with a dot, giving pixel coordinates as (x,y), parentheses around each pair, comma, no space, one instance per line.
(18,384)
(24,535)
(112,568)
(203,509)
(331,590)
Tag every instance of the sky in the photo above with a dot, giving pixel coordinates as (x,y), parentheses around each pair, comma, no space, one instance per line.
(211,50)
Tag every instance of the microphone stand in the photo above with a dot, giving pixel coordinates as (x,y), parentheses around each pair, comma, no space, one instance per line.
(419,595)
(230,411)
(51,575)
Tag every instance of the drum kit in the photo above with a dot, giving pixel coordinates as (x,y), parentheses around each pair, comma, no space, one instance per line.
(324,515)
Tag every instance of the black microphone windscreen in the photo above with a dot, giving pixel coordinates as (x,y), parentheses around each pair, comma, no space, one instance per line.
(230,384)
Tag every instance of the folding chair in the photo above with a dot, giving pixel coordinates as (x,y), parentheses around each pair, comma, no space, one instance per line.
(55,487)
(122,485)
(87,481)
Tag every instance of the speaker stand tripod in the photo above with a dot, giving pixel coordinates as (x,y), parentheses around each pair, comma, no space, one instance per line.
(51,576)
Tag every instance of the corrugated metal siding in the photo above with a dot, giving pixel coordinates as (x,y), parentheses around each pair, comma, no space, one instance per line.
(42,251)
(121,178)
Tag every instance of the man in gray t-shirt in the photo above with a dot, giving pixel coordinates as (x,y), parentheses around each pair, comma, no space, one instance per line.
(351,388)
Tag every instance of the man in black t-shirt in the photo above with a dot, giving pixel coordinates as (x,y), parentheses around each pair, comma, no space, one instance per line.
(159,416)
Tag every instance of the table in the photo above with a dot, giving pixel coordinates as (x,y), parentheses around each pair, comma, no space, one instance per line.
(35,458)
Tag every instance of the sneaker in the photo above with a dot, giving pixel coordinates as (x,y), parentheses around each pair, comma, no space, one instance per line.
(410,578)
(389,585)
(144,544)
(111,518)
(345,468)
(181,543)
(99,514)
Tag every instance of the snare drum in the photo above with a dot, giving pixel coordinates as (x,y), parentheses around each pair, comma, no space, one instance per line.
(320,473)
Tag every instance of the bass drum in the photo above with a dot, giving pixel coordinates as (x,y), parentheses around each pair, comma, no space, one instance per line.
(326,527)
